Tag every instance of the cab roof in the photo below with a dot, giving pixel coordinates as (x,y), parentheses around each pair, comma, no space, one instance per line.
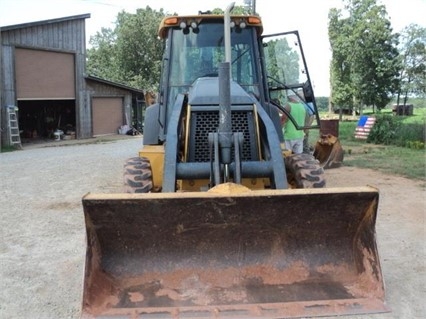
(185,21)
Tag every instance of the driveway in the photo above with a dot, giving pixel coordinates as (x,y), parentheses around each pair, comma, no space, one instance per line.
(42,251)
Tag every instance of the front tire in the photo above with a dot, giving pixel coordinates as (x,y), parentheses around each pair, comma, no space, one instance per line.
(138,175)
(304,171)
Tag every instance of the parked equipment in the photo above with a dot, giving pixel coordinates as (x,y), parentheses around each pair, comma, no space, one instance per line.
(220,221)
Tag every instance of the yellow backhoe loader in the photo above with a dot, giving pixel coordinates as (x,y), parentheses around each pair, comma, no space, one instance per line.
(219,220)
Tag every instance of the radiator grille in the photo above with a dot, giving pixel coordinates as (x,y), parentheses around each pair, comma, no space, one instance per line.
(205,122)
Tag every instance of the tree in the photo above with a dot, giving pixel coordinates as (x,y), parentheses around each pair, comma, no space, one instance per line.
(413,54)
(365,64)
(281,57)
(139,48)
(131,53)
(101,57)
(340,68)
(237,10)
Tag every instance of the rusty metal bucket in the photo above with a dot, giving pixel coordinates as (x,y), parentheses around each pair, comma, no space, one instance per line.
(328,151)
(255,254)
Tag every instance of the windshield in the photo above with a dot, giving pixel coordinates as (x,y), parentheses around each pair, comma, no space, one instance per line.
(198,54)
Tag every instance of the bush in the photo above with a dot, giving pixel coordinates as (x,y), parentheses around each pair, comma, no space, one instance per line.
(390,130)
(412,135)
(385,130)
(416,145)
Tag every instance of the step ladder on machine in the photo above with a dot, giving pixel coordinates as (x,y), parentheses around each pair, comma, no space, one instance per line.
(14,135)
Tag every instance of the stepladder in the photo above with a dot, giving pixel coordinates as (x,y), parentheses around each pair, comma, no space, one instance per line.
(13,125)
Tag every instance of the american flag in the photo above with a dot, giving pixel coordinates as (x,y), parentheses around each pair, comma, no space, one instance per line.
(364,126)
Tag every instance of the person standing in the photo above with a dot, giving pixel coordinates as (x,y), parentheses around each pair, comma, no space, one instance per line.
(293,137)
(310,116)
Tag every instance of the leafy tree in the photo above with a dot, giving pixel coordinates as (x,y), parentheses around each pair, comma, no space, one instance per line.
(340,68)
(280,56)
(102,58)
(237,10)
(365,64)
(413,54)
(131,53)
(138,47)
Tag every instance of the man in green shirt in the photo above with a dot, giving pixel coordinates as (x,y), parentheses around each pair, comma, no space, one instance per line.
(293,137)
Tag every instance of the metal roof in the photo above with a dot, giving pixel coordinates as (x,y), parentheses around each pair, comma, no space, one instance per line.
(119,85)
(43,22)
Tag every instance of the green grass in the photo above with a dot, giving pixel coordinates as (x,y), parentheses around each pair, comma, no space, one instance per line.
(389,159)
(6,149)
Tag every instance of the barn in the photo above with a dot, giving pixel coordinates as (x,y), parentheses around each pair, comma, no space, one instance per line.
(43,76)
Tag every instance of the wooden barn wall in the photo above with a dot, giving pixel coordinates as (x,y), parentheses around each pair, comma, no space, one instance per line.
(8,91)
(62,36)
(66,35)
(8,82)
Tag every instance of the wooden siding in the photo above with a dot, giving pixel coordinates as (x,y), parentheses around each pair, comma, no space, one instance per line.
(7,78)
(104,89)
(63,35)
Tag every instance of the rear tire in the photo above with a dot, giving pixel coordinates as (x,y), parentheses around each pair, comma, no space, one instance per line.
(304,171)
(138,175)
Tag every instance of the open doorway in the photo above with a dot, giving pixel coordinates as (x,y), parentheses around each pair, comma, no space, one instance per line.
(39,119)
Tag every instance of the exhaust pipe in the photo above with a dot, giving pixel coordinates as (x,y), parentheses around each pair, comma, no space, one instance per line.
(227,32)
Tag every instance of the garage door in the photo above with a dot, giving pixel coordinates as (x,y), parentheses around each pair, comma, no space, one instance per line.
(44,75)
(107,115)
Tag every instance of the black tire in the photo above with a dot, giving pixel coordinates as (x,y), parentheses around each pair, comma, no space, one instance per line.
(304,171)
(138,175)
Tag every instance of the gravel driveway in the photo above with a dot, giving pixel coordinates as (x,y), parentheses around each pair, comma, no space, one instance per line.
(42,250)
(42,227)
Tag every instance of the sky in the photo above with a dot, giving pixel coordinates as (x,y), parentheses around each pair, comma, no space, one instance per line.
(309,17)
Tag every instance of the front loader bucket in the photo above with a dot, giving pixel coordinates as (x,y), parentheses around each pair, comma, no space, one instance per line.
(328,151)
(256,254)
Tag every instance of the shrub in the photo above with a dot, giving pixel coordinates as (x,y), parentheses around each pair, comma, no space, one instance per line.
(416,145)
(385,130)
(412,135)
(391,130)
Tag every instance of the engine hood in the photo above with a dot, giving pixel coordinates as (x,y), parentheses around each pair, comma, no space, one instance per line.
(205,91)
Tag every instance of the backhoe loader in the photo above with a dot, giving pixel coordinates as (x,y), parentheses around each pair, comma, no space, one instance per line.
(219,220)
